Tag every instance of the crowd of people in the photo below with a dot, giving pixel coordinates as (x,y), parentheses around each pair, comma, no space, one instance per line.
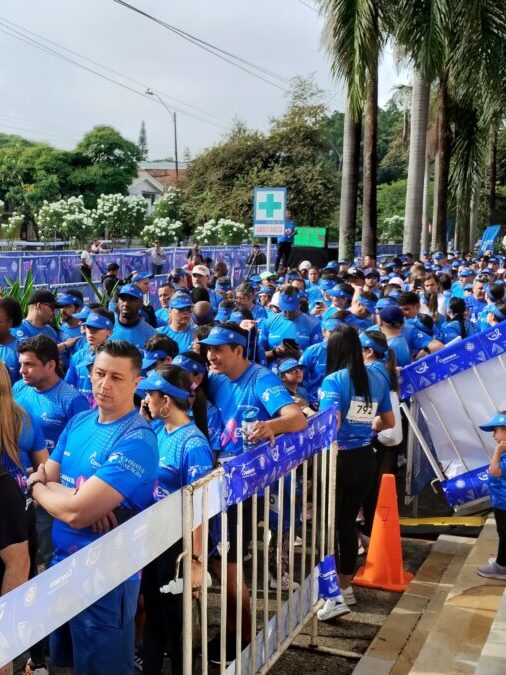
(105,410)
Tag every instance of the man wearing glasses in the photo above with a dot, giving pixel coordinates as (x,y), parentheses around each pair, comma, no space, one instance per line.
(200,279)
(41,311)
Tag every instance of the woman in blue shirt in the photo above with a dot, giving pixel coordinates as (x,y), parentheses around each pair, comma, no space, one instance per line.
(11,317)
(458,324)
(185,456)
(362,398)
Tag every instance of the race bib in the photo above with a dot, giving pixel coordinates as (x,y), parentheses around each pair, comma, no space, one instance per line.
(361,411)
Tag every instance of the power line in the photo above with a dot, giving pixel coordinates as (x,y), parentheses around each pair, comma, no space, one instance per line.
(306,4)
(11,32)
(213,49)
(111,70)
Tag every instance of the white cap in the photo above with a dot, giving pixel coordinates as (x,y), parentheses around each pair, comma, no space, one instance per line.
(397,281)
(275,299)
(201,269)
(305,265)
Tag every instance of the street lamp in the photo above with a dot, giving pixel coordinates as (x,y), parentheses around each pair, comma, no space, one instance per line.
(172,113)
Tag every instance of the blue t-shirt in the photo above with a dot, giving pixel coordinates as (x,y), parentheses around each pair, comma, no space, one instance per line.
(79,376)
(356,415)
(162,316)
(415,337)
(399,345)
(256,388)
(497,486)
(289,233)
(184,338)
(304,329)
(314,358)
(123,454)
(9,355)
(28,330)
(185,456)
(475,307)
(52,408)
(452,329)
(30,440)
(67,331)
(137,334)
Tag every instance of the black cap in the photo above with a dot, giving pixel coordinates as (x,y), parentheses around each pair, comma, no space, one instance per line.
(45,298)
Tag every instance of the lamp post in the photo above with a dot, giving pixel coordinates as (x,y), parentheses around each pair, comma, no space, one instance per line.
(172,113)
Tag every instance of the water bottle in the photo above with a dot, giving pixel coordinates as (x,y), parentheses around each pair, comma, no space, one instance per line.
(248,421)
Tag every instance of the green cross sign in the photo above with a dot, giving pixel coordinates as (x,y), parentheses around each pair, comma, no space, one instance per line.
(270,205)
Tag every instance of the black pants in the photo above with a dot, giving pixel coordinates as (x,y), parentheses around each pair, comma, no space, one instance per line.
(500,522)
(356,470)
(284,250)
(157,269)
(163,630)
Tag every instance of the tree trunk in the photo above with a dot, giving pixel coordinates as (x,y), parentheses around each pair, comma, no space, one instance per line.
(349,185)
(441,188)
(492,172)
(369,203)
(473,220)
(416,167)
(424,242)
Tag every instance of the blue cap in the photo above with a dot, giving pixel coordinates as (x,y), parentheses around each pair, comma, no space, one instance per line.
(466,272)
(289,364)
(94,320)
(190,365)
(393,315)
(182,301)
(498,420)
(395,294)
(69,299)
(385,302)
(254,279)
(223,336)
(333,264)
(337,292)
(367,342)
(151,356)
(326,284)
(289,302)
(292,276)
(155,382)
(341,261)
(83,314)
(331,324)
(132,290)
(223,313)
(368,304)
(265,290)
(468,287)
(438,255)
(139,276)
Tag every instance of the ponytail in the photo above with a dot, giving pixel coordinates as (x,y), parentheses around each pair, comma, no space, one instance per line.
(386,354)
(457,307)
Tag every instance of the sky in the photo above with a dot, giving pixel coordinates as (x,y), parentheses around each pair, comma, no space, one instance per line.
(46,98)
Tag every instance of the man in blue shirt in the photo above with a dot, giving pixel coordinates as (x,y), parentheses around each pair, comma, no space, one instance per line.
(165,293)
(179,328)
(285,242)
(477,302)
(102,470)
(70,303)
(200,279)
(314,360)
(130,326)
(245,298)
(41,312)
(238,386)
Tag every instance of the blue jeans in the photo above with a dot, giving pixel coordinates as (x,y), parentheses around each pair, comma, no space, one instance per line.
(100,640)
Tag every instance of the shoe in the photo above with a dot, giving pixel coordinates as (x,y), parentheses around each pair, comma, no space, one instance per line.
(138,659)
(333,607)
(492,571)
(33,669)
(284,583)
(298,541)
(213,649)
(349,596)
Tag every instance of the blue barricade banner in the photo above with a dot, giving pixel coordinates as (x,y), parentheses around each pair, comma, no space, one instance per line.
(252,471)
(467,487)
(489,238)
(453,360)
(328,584)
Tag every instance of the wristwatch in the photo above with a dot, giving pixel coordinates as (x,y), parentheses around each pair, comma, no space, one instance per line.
(29,485)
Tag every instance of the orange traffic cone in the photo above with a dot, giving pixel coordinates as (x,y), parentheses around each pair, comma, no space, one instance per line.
(383,567)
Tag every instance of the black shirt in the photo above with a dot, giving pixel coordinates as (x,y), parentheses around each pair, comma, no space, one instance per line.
(13,520)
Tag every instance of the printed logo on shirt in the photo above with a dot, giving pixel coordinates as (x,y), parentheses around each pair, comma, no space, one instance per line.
(51,420)
(94,461)
(127,464)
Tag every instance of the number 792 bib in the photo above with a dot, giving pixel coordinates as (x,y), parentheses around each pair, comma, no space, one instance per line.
(361,412)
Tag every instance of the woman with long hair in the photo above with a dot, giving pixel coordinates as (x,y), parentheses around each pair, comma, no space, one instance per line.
(185,456)
(11,316)
(458,325)
(363,405)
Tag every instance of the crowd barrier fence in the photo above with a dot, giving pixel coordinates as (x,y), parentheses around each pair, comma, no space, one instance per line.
(300,465)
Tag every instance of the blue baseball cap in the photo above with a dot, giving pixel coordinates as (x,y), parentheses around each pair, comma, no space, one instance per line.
(326,284)
(223,313)
(265,290)
(254,279)
(132,290)
(368,304)
(333,264)
(292,276)
(83,313)
(151,356)
(337,292)
(181,301)
(190,365)
(223,336)
(155,382)
(94,320)
(393,315)
(466,272)
(139,276)
(289,302)
(385,302)
(69,299)
(289,364)
(331,324)
(439,255)
(498,420)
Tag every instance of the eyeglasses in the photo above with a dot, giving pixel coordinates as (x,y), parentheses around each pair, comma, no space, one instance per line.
(197,275)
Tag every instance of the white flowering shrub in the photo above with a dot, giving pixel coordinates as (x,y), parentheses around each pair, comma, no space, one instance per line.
(164,230)
(224,232)
(392,229)
(13,225)
(68,218)
(169,204)
(2,207)
(120,216)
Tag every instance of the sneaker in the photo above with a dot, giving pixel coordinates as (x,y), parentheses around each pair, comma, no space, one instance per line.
(349,596)
(284,583)
(333,607)
(138,660)
(213,649)
(492,571)
(36,669)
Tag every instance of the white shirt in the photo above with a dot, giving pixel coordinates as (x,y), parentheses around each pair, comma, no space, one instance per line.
(86,259)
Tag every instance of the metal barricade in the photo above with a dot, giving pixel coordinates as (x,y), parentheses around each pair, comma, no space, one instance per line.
(278,512)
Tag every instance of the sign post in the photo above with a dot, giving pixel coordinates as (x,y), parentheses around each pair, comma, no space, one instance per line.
(269,215)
